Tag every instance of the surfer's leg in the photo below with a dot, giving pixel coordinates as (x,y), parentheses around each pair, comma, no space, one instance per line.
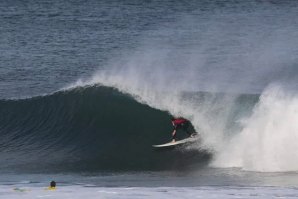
(191,130)
(186,128)
(174,136)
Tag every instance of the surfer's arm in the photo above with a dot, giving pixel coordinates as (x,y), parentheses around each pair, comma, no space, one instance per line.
(174,134)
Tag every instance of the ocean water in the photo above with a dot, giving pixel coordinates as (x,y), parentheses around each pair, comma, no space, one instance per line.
(87,87)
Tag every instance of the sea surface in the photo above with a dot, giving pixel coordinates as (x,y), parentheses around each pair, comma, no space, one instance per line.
(87,87)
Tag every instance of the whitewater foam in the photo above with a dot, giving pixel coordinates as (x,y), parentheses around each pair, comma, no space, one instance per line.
(268,141)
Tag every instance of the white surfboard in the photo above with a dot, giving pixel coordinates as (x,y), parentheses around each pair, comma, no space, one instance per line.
(179,142)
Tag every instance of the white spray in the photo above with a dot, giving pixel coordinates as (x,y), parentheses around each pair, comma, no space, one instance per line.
(268,141)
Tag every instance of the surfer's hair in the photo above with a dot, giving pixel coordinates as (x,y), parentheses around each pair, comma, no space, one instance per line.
(53,184)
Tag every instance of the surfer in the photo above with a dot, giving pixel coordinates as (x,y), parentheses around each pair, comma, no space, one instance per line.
(185,125)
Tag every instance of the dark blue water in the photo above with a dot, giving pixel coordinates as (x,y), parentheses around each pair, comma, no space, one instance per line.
(46,45)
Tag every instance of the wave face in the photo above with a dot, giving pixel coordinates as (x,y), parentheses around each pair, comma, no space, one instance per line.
(99,128)
(89,129)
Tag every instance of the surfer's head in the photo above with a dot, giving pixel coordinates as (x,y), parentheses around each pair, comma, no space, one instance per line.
(53,184)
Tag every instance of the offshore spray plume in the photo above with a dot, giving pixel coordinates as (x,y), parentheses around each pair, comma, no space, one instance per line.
(213,55)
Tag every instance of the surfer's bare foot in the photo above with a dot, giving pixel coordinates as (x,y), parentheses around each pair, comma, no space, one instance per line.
(173,140)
